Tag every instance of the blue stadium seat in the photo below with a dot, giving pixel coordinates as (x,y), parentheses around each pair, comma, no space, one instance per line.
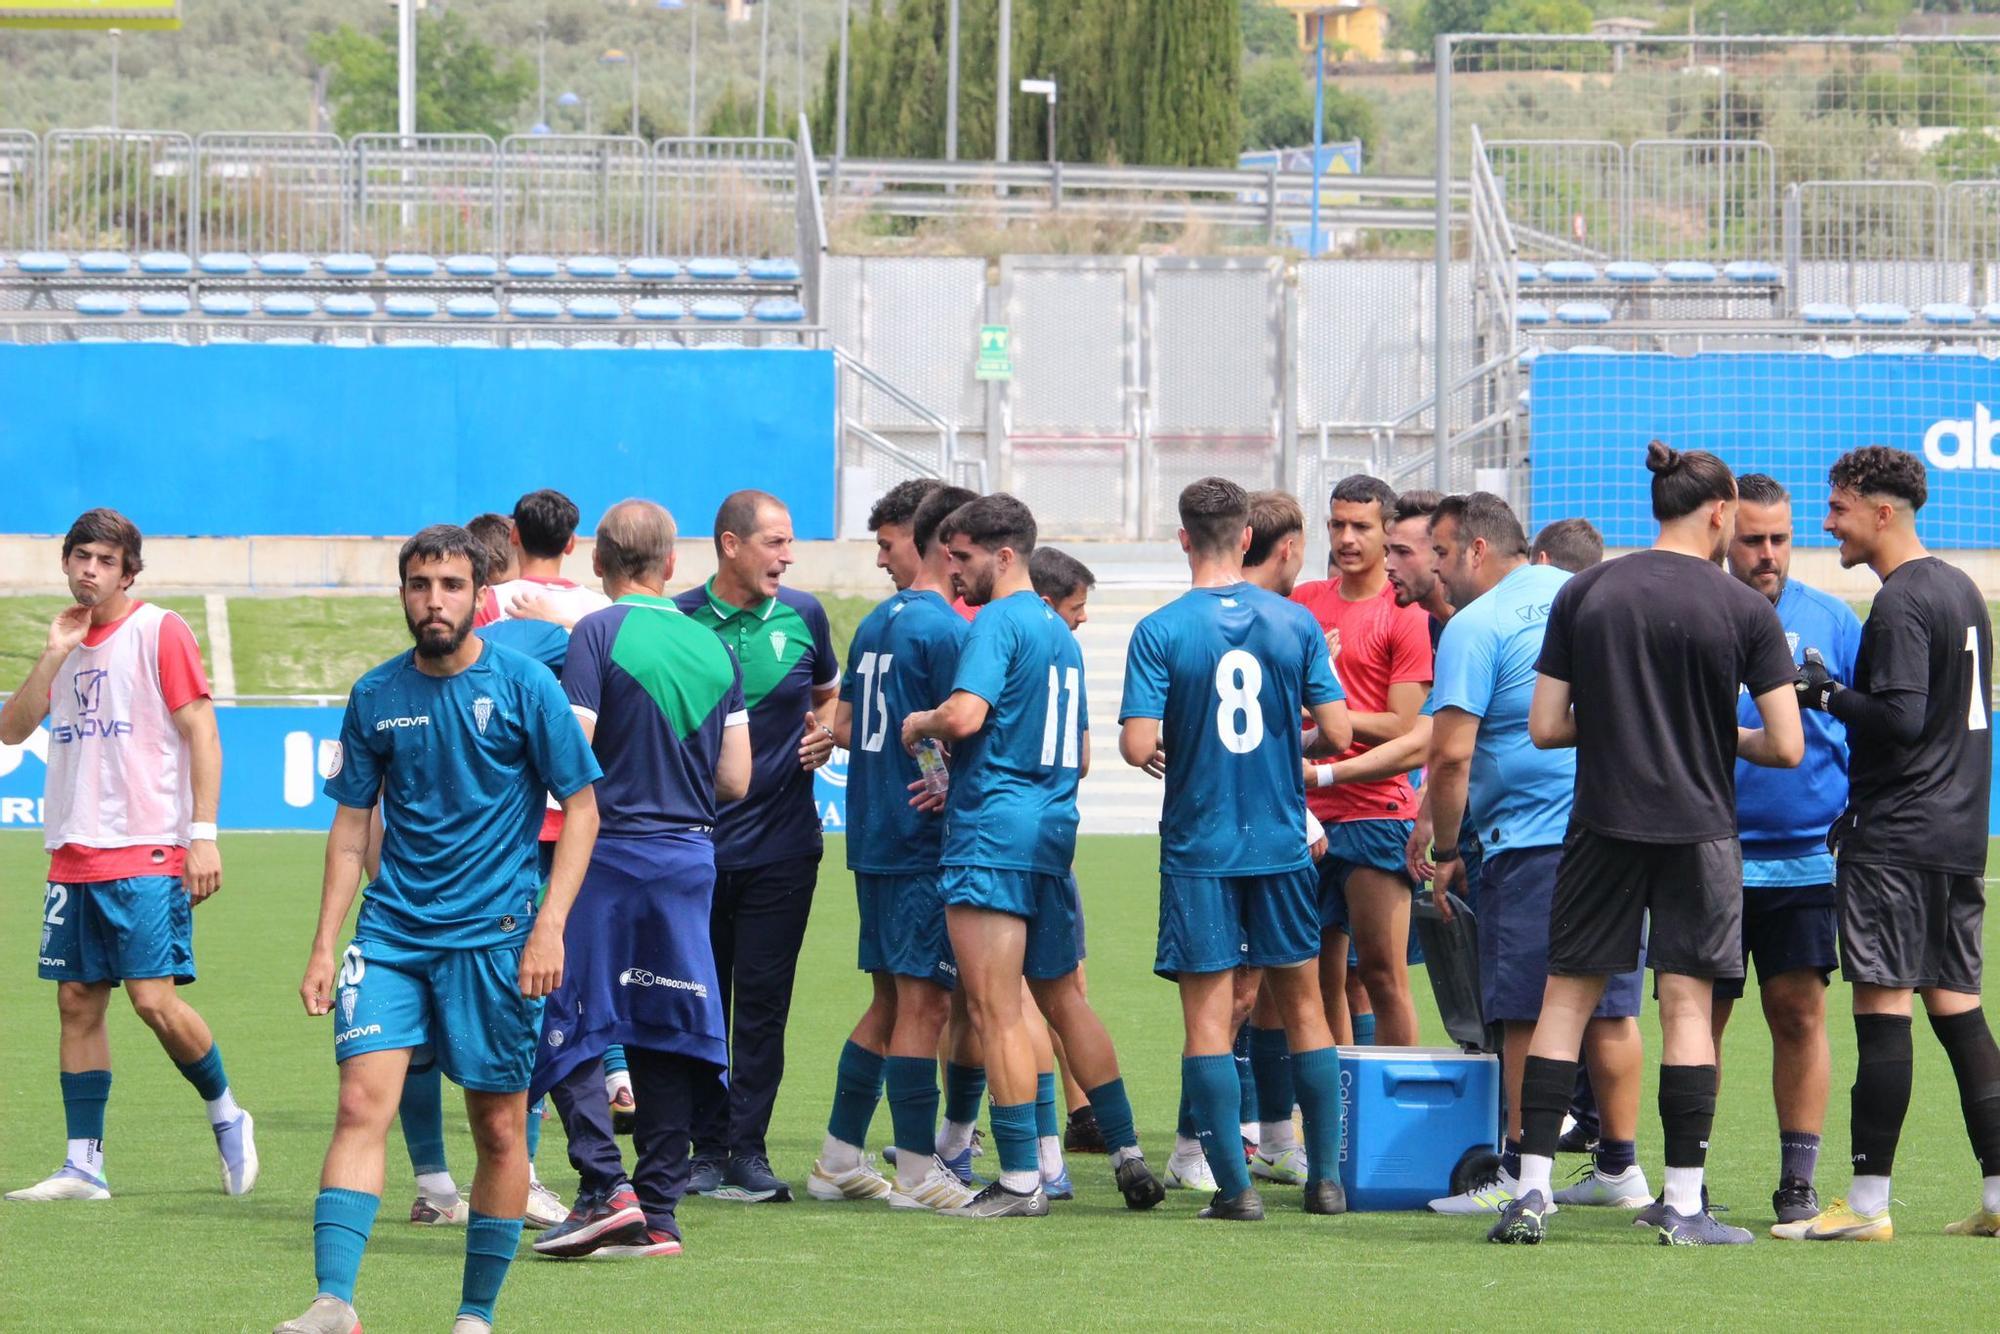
(539,344)
(228,305)
(592,266)
(534,308)
(713,309)
(352,342)
(531,266)
(1631,271)
(653,269)
(165,341)
(472,307)
(594,345)
(1690,271)
(225,263)
(1990,312)
(1752,271)
(350,306)
(656,308)
(409,342)
(778,310)
(104,261)
(594,308)
(288,342)
(102,338)
(403,306)
(289,305)
(471,266)
(43,263)
(410,265)
(284,264)
(164,303)
(1949,313)
(102,304)
(1591,350)
(163,263)
(1955,350)
(1583,312)
(486,343)
(1525,272)
(1825,312)
(1531,313)
(1569,271)
(775,270)
(1882,312)
(349,264)
(715,269)
(1529,355)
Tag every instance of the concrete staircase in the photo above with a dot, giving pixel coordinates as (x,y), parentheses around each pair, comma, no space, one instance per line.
(1116,798)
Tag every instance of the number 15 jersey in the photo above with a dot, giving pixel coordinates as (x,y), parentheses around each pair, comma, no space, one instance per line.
(1226,671)
(902,660)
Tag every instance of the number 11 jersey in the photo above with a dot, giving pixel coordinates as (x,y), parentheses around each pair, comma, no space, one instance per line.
(902,661)
(1226,670)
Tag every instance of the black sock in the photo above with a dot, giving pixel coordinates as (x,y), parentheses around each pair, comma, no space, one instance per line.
(1687,1112)
(1545,1090)
(1881,1097)
(1975,1059)
(1798,1155)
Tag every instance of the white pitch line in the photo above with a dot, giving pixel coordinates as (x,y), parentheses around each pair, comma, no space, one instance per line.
(219,652)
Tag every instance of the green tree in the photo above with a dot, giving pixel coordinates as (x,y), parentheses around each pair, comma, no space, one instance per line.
(462,88)
(1268,30)
(1539,16)
(1278,108)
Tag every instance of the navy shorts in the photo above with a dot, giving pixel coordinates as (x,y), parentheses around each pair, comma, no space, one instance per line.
(1048,903)
(1350,846)
(1517,890)
(1786,928)
(109,930)
(902,927)
(1210,924)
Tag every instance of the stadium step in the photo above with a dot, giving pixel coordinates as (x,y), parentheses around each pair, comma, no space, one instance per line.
(1116,798)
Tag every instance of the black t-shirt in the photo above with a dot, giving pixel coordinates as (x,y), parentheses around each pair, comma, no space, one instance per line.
(1654,646)
(1925,804)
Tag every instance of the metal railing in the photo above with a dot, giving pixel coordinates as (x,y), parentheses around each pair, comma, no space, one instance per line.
(856,381)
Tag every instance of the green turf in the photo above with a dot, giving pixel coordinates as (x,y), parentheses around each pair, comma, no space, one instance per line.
(171,1251)
(24,629)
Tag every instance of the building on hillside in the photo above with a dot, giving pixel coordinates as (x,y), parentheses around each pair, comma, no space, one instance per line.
(1356,30)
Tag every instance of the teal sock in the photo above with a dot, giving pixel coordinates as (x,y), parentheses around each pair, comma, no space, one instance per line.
(422,1114)
(206,1074)
(535,1127)
(614,1059)
(1271,1065)
(341,1223)
(84,1095)
(1014,1136)
(1246,1082)
(1317,1077)
(964,1086)
(1212,1093)
(1186,1127)
(911,1085)
(1045,1105)
(1114,1115)
(1364,1030)
(857,1087)
(490,1244)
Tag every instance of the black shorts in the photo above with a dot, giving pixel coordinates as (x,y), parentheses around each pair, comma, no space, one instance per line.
(1786,928)
(1607,887)
(1903,926)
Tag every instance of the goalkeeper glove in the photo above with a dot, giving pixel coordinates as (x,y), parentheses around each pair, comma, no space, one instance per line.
(1814,682)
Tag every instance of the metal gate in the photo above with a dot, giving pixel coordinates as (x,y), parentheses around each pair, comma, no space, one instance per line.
(1131,378)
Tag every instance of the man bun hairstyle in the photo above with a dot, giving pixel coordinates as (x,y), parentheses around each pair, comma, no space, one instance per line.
(992,522)
(1877,470)
(1214,511)
(1684,482)
(441,541)
(112,529)
(899,505)
(1274,516)
(545,521)
(940,502)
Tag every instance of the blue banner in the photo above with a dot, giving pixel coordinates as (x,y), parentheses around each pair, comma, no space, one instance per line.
(270,773)
(1788,414)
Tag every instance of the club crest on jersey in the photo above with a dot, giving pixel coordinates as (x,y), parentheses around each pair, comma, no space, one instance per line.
(348,996)
(777,643)
(1792,642)
(482,713)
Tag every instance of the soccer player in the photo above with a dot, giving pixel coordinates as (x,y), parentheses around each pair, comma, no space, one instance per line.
(1410,563)
(662,703)
(1790,918)
(1485,773)
(1217,680)
(1384,663)
(1911,846)
(134,773)
(1017,723)
(458,739)
(768,845)
(541,533)
(496,532)
(1641,661)
(1568,544)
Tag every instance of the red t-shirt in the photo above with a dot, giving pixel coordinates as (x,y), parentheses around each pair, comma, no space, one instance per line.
(1381,645)
(182,681)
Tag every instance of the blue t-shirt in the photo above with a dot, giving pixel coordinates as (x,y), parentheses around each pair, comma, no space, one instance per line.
(902,660)
(660,690)
(1516,796)
(1782,815)
(1013,783)
(1226,671)
(460,764)
(544,641)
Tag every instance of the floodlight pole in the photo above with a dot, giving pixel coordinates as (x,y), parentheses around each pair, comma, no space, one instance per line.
(542,73)
(116,33)
(840,93)
(763,59)
(951,84)
(406,68)
(1441,297)
(1319,129)
(694,65)
(1003,60)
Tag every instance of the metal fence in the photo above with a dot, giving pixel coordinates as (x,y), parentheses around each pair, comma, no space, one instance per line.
(20,189)
(573,194)
(131,191)
(267,192)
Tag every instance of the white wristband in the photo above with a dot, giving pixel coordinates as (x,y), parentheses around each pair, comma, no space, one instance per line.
(201,831)
(1322,775)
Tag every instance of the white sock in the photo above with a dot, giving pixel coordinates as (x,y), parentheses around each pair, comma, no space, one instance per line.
(1989,1197)
(1186,1148)
(533,1180)
(437,1185)
(616,1080)
(1021,1183)
(87,1154)
(1049,1149)
(1535,1171)
(1120,1157)
(953,1138)
(911,1169)
(1276,1136)
(1683,1189)
(1248,1130)
(1868,1195)
(223,1110)
(837,1155)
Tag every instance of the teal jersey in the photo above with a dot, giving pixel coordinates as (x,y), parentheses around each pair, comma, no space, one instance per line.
(902,661)
(1226,671)
(1012,804)
(460,764)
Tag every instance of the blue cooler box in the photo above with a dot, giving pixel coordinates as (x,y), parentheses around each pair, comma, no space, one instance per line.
(1407,1115)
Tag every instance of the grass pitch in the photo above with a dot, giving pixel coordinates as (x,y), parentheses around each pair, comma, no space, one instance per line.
(172,1252)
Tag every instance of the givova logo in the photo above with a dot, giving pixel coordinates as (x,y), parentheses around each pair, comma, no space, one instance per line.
(1958,443)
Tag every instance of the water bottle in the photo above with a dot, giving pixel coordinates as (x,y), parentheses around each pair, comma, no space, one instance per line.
(931,768)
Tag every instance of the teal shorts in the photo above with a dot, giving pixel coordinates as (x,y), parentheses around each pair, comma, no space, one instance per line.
(460,1009)
(110,930)
(1049,904)
(1350,846)
(902,927)
(1212,923)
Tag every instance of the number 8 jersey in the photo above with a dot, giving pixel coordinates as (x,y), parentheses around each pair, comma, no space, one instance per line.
(1226,671)
(902,660)
(1012,804)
